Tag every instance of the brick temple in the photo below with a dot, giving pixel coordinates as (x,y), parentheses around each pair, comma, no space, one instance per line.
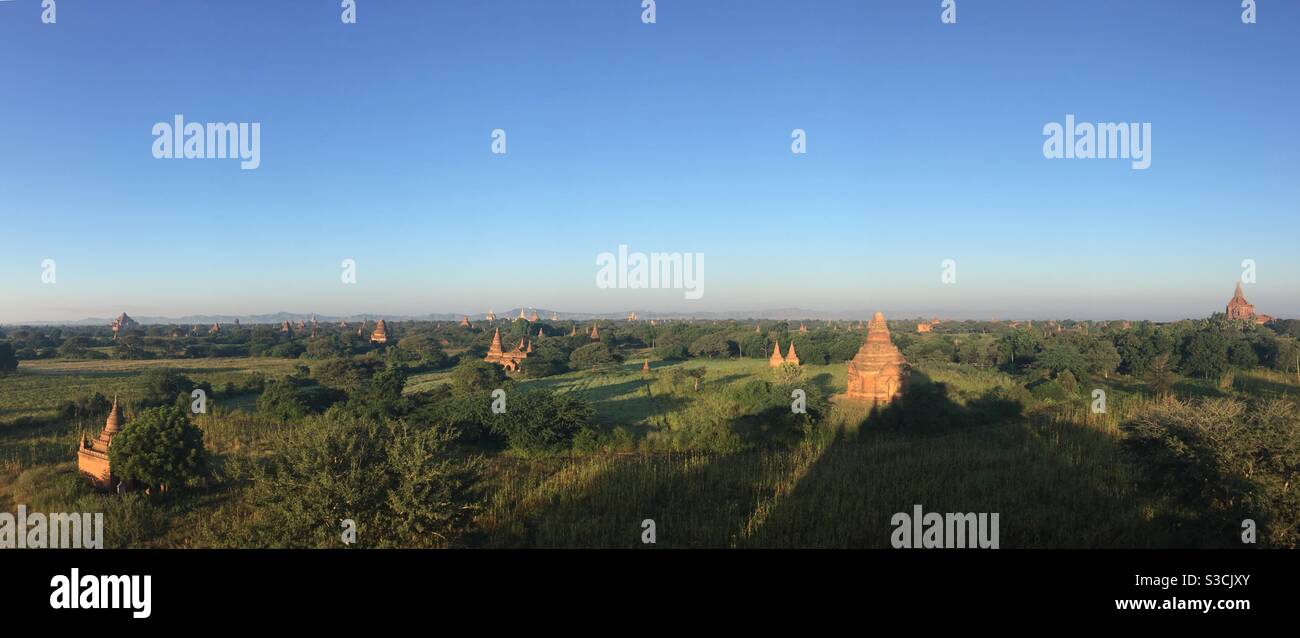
(92,454)
(878,373)
(1241,310)
(509,360)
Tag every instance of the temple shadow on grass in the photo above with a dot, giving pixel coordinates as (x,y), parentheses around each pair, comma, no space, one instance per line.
(1264,388)
(927,409)
(1199,389)
(696,499)
(1067,487)
(825,383)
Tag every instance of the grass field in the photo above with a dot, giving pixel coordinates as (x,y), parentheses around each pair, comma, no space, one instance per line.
(39,386)
(1057,473)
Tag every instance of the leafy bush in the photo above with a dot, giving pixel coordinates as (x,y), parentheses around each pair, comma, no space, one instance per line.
(159,447)
(402,486)
(542,420)
(590,356)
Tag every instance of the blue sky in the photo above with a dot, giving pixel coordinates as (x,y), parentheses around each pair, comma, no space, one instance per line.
(924,144)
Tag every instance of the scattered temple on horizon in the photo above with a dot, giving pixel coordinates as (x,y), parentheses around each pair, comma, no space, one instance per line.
(380,335)
(123,322)
(1240,309)
(878,373)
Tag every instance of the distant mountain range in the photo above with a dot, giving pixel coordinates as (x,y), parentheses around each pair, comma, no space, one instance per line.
(543,313)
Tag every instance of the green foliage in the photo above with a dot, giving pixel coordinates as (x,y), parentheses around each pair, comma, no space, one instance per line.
(1160,376)
(546,360)
(1068,383)
(93,405)
(1223,463)
(402,486)
(165,386)
(348,374)
(591,356)
(75,348)
(326,346)
(711,345)
(159,447)
(8,362)
(476,376)
(382,397)
(671,351)
(425,349)
(1205,354)
(542,420)
(1059,355)
(1019,347)
(1242,355)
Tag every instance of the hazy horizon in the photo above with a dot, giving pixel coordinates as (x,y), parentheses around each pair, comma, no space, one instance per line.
(375,146)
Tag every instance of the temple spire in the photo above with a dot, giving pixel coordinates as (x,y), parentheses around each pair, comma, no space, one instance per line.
(776,359)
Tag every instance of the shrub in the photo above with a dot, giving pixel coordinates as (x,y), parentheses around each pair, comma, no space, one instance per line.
(159,447)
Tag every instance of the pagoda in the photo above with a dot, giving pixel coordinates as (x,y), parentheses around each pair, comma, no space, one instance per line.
(1241,310)
(776,359)
(92,454)
(380,335)
(123,322)
(878,373)
(508,360)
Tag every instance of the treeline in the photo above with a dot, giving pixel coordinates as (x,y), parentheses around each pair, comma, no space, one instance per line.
(1201,348)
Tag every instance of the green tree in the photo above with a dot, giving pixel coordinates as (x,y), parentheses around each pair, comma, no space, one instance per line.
(1242,355)
(1101,357)
(425,347)
(281,400)
(594,355)
(8,362)
(1206,354)
(543,420)
(1068,382)
(165,386)
(1160,375)
(711,345)
(477,376)
(402,486)
(159,447)
(74,347)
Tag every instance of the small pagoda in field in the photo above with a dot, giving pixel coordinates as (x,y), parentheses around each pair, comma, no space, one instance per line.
(776,359)
(92,454)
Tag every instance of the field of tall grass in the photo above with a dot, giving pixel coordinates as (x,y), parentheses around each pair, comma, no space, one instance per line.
(1055,471)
